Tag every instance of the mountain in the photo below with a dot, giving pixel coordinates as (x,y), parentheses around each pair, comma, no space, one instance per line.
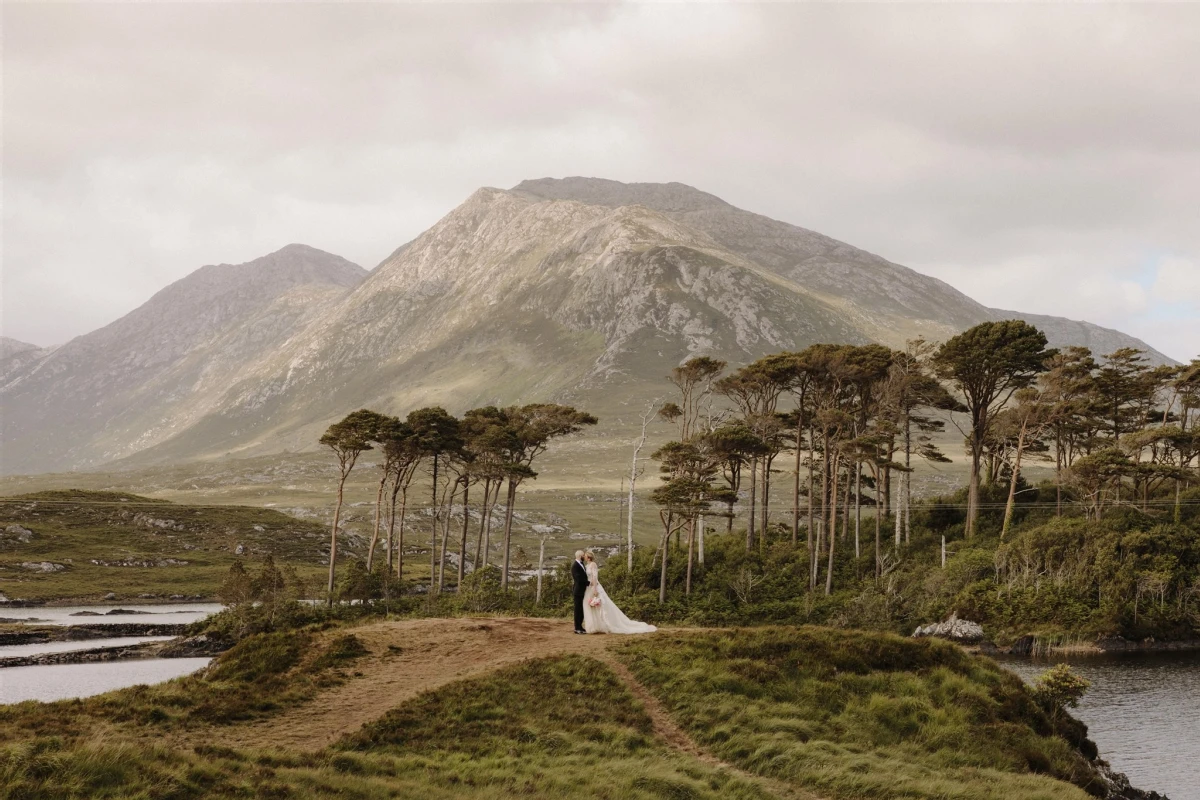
(161,367)
(576,290)
(1063,332)
(891,301)
(11,347)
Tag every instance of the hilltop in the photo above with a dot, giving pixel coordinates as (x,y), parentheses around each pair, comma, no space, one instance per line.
(495,707)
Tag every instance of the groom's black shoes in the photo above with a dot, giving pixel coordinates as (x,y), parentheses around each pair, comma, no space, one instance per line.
(580,631)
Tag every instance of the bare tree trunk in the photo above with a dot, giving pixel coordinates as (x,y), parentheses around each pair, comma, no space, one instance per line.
(753,505)
(433,533)
(887,486)
(832,546)
(337,514)
(878,532)
(633,476)
(898,519)
(1058,465)
(537,601)
(375,532)
(400,541)
(391,528)
(766,503)
(857,505)
(662,575)
(796,489)
(811,490)
(687,589)
(906,478)
(700,540)
(1012,483)
(508,518)
(452,489)
(973,489)
(846,505)
(835,501)
(487,488)
(462,550)
(487,524)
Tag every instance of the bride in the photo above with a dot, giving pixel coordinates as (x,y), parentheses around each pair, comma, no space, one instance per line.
(600,614)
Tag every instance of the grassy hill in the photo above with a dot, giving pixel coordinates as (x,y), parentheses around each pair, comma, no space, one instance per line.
(490,708)
(86,544)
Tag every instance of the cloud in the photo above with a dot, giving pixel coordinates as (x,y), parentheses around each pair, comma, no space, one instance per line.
(1030,155)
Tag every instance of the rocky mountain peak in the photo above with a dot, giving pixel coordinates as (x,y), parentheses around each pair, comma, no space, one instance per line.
(666,197)
(10,347)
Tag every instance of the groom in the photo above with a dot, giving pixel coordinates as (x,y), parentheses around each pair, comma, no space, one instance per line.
(579,573)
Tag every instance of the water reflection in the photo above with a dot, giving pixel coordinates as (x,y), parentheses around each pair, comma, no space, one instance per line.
(1143,711)
(63,681)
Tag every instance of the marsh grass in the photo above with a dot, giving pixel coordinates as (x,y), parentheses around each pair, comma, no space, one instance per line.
(862,715)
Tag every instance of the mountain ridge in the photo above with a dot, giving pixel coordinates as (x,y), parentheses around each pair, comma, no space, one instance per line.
(103,395)
(576,290)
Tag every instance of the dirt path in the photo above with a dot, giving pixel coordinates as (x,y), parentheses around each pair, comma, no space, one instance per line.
(677,738)
(431,653)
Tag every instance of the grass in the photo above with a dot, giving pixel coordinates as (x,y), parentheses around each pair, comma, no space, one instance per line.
(543,729)
(259,676)
(121,530)
(859,715)
(847,715)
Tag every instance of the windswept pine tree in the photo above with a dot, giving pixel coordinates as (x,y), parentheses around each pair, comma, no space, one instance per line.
(532,428)
(348,439)
(986,365)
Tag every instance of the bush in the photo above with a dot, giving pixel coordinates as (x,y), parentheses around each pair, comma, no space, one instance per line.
(1059,688)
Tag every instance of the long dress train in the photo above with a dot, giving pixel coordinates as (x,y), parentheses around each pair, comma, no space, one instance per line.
(606,617)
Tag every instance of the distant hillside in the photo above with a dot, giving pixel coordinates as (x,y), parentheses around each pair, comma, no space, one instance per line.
(1062,332)
(164,365)
(10,347)
(83,545)
(577,290)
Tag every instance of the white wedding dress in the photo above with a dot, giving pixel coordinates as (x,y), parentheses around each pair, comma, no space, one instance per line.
(606,617)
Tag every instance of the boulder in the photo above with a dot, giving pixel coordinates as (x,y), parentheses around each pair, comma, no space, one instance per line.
(954,629)
(16,533)
(193,646)
(42,566)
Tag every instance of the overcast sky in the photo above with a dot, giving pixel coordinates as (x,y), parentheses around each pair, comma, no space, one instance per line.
(1038,157)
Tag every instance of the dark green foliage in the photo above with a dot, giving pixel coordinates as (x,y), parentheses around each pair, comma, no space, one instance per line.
(1059,688)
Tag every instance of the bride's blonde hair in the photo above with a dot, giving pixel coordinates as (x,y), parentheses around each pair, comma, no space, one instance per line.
(589,555)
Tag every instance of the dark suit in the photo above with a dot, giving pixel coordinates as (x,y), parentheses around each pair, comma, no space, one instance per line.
(581,585)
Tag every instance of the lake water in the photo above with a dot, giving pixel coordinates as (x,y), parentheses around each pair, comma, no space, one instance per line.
(180,614)
(62,681)
(1143,711)
(12,650)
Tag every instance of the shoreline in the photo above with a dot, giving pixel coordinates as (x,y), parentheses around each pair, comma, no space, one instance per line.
(42,634)
(1032,647)
(179,647)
